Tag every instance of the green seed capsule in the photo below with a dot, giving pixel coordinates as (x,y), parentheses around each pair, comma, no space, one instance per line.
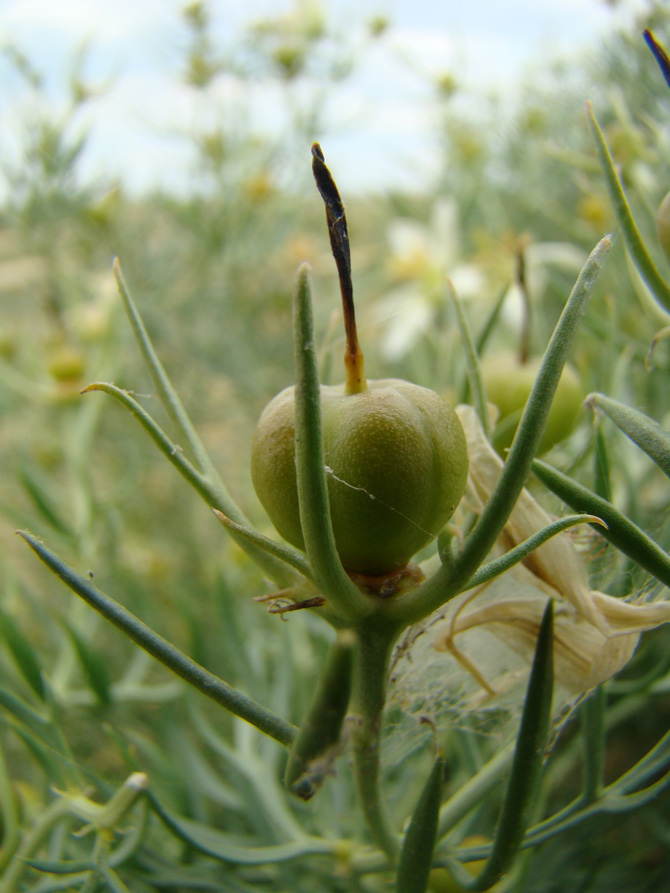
(396,463)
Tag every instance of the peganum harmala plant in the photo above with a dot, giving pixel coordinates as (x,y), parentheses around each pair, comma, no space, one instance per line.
(341,568)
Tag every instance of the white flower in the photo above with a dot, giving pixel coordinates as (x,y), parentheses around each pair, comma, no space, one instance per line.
(421,258)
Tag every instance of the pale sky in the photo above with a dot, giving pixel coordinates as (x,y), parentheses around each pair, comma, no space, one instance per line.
(381,117)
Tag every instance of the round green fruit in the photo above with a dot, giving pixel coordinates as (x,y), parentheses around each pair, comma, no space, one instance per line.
(396,463)
(508,384)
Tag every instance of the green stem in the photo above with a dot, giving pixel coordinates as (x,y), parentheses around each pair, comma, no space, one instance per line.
(165,652)
(371,670)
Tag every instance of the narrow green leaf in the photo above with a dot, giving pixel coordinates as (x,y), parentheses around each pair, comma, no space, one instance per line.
(55,765)
(43,501)
(499,565)
(278,550)
(93,665)
(448,581)
(592,716)
(165,652)
(490,324)
(54,866)
(482,339)
(24,654)
(634,241)
(624,794)
(643,431)
(472,366)
(9,813)
(416,854)
(223,847)
(310,756)
(601,471)
(343,595)
(209,491)
(620,531)
(527,764)
(166,392)
(112,880)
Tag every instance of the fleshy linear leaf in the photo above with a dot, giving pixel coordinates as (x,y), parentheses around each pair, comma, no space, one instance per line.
(624,215)
(499,565)
(473,369)
(202,484)
(419,842)
(526,766)
(623,795)
(92,664)
(321,728)
(601,471)
(620,531)
(643,431)
(43,501)
(166,392)
(279,550)
(54,866)
(218,845)
(448,581)
(23,653)
(165,652)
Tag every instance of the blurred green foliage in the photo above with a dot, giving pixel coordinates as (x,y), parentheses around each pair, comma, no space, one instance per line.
(213,273)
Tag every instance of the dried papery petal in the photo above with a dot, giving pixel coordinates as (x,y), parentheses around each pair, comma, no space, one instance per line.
(557,562)
(584,657)
(630,617)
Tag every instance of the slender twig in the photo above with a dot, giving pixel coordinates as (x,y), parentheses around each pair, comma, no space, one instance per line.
(165,652)
(369,695)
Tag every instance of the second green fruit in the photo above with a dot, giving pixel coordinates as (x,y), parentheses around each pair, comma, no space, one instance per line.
(508,384)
